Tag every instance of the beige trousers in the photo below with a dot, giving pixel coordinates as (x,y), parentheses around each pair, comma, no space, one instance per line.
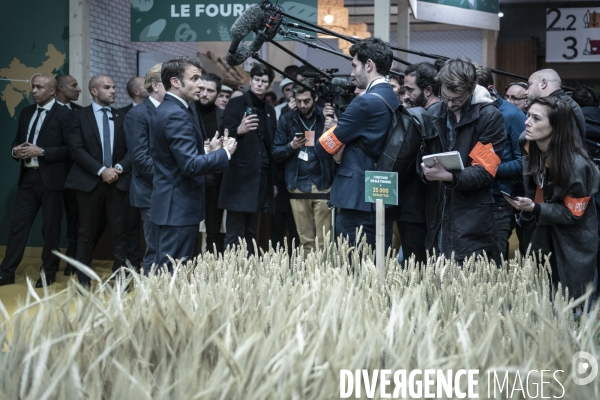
(311,217)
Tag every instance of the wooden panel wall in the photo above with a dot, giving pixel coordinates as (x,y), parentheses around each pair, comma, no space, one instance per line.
(517,58)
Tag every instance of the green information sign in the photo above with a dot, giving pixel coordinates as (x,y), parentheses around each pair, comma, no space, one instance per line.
(381,185)
(200,20)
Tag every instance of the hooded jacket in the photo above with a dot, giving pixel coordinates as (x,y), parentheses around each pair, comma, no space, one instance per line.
(459,213)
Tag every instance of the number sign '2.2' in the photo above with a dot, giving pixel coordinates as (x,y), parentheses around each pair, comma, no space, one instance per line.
(573,34)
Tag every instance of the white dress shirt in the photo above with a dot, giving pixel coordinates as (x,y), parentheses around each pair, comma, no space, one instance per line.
(99,114)
(34,160)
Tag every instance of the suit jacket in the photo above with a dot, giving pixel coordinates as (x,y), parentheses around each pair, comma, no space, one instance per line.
(137,128)
(367,119)
(241,183)
(54,139)
(75,107)
(177,148)
(86,149)
(125,110)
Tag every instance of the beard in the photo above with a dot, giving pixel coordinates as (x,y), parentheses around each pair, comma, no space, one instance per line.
(421,101)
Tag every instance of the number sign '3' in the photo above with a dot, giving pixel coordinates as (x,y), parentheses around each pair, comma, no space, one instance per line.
(573,34)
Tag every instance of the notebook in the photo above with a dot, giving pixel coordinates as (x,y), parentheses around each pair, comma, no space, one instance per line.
(450,160)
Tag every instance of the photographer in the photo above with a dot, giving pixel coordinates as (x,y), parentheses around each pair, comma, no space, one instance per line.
(359,138)
(307,177)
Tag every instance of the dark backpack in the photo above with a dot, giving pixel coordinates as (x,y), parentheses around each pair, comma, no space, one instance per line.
(403,140)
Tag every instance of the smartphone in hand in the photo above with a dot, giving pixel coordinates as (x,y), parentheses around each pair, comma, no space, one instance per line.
(510,196)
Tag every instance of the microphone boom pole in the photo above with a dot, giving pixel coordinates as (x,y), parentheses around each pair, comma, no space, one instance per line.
(301,60)
(260,60)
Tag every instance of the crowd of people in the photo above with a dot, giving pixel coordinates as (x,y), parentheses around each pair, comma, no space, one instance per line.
(189,150)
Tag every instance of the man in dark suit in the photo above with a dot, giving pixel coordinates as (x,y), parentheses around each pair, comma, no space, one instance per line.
(137,91)
(137,130)
(210,117)
(359,138)
(180,161)
(101,172)
(41,144)
(248,185)
(66,94)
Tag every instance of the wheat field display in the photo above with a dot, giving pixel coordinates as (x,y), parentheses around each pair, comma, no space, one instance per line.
(277,326)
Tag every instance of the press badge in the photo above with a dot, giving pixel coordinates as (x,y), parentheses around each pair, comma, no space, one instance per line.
(303,155)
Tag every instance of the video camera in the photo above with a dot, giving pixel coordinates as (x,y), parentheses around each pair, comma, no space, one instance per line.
(337,91)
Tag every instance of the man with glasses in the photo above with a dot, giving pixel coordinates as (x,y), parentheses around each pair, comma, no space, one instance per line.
(248,186)
(515,94)
(459,202)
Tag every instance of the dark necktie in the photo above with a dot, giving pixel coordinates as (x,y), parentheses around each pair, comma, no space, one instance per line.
(32,130)
(107,154)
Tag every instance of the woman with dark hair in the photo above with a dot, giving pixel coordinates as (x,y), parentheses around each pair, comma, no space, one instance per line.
(559,180)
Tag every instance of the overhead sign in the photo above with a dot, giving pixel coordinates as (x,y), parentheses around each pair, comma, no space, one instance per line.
(381,185)
(573,34)
(199,21)
(481,14)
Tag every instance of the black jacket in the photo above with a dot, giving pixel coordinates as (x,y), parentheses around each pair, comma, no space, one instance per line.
(241,182)
(461,211)
(86,150)
(288,124)
(54,139)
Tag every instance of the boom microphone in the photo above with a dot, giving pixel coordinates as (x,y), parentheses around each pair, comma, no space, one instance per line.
(240,55)
(250,20)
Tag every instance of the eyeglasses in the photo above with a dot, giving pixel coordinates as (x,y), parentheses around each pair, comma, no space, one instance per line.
(514,98)
(454,100)
(522,84)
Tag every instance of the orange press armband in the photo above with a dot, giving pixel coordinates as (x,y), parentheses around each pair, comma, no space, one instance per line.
(576,206)
(484,155)
(330,143)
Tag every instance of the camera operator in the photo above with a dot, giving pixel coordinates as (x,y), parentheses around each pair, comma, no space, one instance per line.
(359,138)
(307,177)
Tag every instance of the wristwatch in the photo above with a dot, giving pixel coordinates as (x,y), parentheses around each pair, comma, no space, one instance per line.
(43,153)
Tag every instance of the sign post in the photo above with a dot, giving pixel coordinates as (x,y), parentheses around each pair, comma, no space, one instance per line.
(381,188)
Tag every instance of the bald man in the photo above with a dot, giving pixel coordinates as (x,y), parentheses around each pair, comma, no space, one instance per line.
(101,172)
(42,149)
(137,91)
(547,83)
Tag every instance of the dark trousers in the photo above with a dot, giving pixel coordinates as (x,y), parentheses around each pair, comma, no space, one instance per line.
(133,226)
(175,241)
(241,225)
(504,221)
(412,237)
(31,195)
(244,224)
(72,213)
(108,202)
(347,221)
(214,215)
(151,238)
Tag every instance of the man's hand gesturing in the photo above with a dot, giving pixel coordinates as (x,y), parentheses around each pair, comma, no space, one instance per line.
(215,143)
(229,143)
